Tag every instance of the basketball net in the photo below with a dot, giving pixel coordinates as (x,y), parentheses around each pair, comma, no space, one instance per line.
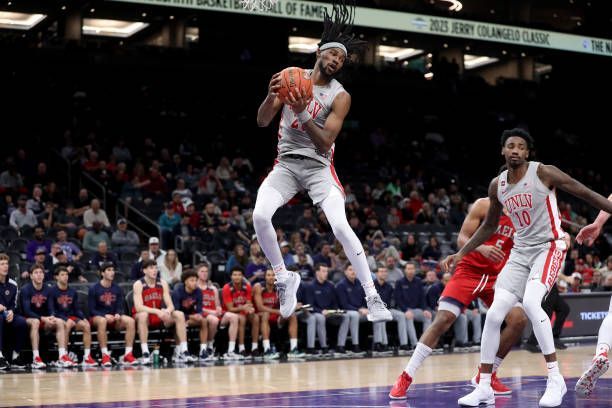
(258,5)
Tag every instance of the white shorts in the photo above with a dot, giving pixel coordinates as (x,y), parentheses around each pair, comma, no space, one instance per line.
(293,173)
(541,262)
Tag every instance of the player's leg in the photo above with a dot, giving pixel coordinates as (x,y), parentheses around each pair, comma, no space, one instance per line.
(34,326)
(99,323)
(354,328)
(460,328)
(142,322)
(197,320)
(311,330)
(232,321)
(84,326)
(180,325)
(255,322)
(333,207)
(213,327)
(128,324)
(321,327)
(600,363)
(378,335)
(402,333)
(18,329)
(242,321)
(544,271)
(293,336)
(264,327)
(502,304)
(69,326)
(343,333)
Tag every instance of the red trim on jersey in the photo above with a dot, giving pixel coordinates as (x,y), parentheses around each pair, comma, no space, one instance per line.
(551,251)
(552,221)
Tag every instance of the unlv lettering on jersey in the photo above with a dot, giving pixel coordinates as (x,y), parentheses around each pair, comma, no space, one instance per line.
(518,201)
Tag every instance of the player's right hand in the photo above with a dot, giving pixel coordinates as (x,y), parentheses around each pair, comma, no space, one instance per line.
(492,253)
(588,234)
(275,84)
(450,262)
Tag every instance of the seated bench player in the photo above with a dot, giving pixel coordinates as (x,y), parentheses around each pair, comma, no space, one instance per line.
(187,298)
(153,308)
(107,311)
(11,323)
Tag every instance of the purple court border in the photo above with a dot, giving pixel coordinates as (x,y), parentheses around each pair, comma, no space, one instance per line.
(526,392)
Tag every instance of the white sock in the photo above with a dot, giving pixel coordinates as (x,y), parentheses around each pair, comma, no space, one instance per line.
(128,350)
(202,347)
(86,353)
(421,352)
(104,350)
(232,347)
(254,345)
(266,345)
(553,368)
(15,355)
(210,344)
(497,363)
(292,344)
(144,347)
(62,352)
(485,380)
(280,271)
(601,349)
(183,346)
(1,355)
(240,348)
(369,288)
(35,353)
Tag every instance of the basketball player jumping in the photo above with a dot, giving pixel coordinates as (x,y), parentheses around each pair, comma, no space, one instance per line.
(527,192)
(474,277)
(307,132)
(600,363)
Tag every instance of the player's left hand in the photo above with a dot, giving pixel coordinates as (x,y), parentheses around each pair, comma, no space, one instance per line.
(450,262)
(427,314)
(298,101)
(9,316)
(588,234)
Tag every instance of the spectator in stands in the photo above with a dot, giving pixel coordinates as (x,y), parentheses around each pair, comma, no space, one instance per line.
(393,273)
(157,185)
(7,206)
(607,268)
(182,190)
(35,203)
(153,308)
(385,290)
(209,183)
(238,258)
(214,315)
(94,236)
(170,268)
(286,253)
(48,216)
(69,220)
(210,216)
(351,298)
(306,220)
(10,179)
(95,214)
(304,268)
(410,299)
(300,249)
(167,222)
(124,240)
(155,252)
(238,299)
(107,311)
(432,250)
(92,163)
(224,170)
(236,219)
(73,268)
(39,241)
(122,152)
(324,255)
(177,204)
(10,321)
(65,306)
(41,177)
(43,260)
(256,269)
(50,193)
(225,237)
(22,218)
(136,271)
(357,226)
(192,215)
(606,285)
(82,202)
(103,255)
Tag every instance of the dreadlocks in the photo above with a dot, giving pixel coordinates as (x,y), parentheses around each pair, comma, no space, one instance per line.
(338,25)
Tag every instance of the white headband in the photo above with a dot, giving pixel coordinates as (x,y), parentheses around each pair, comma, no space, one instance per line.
(329,45)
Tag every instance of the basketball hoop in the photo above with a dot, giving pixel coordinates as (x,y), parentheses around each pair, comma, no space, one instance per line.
(258,5)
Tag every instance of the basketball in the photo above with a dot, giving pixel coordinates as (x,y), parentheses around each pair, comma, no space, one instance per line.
(292,80)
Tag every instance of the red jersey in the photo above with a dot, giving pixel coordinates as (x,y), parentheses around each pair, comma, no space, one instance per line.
(238,296)
(502,239)
(152,296)
(209,299)
(270,299)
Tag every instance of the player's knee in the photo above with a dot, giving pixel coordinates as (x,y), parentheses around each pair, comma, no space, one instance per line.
(261,217)
(34,323)
(443,320)
(517,319)
(178,316)
(129,322)
(85,326)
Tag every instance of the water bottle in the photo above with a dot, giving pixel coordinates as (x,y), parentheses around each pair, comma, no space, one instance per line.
(156,356)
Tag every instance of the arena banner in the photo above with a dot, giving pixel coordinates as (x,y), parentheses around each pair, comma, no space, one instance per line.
(409,22)
(587,311)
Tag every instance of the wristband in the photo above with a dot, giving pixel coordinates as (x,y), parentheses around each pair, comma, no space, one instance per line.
(303,117)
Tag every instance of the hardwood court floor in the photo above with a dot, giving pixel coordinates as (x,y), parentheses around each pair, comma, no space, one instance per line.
(365,381)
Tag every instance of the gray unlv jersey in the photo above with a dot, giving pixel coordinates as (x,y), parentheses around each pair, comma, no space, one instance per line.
(532,206)
(292,139)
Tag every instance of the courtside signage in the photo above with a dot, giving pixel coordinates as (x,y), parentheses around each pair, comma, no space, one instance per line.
(409,22)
